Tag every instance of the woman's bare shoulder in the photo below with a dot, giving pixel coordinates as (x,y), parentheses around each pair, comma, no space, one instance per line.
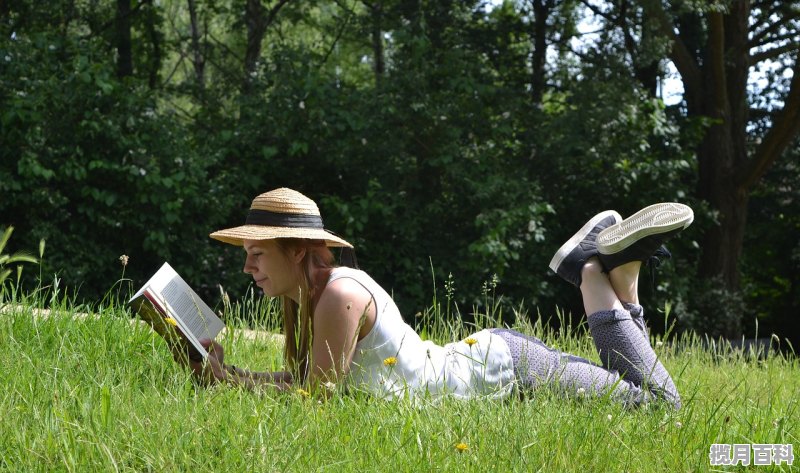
(344,291)
(345,298)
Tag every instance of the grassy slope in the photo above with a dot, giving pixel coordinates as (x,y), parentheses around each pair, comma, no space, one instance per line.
(99,394)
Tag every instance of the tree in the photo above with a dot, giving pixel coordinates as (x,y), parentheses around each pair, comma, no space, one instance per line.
(124,48)
(257,18)
(718,50)
(715,69)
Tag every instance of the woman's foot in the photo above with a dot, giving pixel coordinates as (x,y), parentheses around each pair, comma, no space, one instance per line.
(639,236)
(569,260)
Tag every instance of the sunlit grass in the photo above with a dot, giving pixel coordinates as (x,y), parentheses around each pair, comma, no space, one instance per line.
(101,393)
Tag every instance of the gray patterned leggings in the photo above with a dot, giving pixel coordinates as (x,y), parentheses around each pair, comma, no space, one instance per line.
(631,370)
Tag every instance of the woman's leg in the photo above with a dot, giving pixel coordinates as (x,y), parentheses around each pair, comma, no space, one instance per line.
(625,282)
(620,340)
(537,365)
(618,246)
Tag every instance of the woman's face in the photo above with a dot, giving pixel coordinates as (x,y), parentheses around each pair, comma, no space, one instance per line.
(276,273)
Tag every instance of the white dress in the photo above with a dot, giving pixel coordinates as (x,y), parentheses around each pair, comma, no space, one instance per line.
(393,361)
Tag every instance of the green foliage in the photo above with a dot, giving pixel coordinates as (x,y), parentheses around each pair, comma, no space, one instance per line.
(444,157)
(714,310)
(6,260)
(771,264)
(96,167)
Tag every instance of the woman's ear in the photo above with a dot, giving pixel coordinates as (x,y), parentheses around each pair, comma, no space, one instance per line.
(298,253)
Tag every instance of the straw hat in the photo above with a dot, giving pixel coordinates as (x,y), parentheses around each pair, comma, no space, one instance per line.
(281,213)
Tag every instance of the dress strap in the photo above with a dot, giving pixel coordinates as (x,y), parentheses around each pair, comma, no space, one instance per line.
(339,273)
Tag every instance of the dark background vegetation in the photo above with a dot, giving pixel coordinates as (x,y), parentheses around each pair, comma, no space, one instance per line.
(455,136)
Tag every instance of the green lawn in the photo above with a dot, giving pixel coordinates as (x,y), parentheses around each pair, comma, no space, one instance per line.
(102,394)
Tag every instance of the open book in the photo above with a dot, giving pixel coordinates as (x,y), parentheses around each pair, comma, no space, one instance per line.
(176,312)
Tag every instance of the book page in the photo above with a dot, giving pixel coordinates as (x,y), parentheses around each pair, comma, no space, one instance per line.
(167,291)
(156,283)
(198,319)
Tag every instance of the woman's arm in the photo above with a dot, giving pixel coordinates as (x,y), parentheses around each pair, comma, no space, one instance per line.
(254,379)
(344,310)
(213,370)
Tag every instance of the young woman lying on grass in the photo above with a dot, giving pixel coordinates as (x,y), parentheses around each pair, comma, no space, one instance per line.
(342,327)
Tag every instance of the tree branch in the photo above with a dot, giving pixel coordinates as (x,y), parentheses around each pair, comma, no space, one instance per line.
(598,12)
(108,24)
(774,52)
(772,28)
(761,3)
(785,129)
(583,57)
(228,73)
(680,55)
(775,39)
(174,69)
(227,48)
(351,12)
(273,12)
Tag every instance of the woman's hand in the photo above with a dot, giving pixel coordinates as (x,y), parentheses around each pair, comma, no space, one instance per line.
(212,370)
(208,371)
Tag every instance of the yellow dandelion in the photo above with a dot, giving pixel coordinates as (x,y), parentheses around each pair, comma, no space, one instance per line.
(470,341)
(391,361)
(302,392)
(462,447)
(171,321)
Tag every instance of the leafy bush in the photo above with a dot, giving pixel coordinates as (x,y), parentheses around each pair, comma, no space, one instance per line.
(94,166)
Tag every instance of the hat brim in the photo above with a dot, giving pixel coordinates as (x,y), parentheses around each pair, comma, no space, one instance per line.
(237,235)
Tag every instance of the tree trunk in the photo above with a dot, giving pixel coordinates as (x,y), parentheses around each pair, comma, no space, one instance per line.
(645,67)
(724,150)
(155,41)
(198,61)
(257,19)
(541,13)
(377,40)
(722,244)
(124,50)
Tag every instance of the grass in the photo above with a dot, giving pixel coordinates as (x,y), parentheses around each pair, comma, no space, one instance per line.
(99,393)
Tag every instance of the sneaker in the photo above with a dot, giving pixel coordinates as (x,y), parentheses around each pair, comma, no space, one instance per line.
(569,259)
(641,235)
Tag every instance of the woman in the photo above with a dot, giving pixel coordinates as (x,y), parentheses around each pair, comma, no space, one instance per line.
(342,327)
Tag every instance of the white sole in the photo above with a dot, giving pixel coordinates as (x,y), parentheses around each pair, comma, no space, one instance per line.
(651,220)
(567,247)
